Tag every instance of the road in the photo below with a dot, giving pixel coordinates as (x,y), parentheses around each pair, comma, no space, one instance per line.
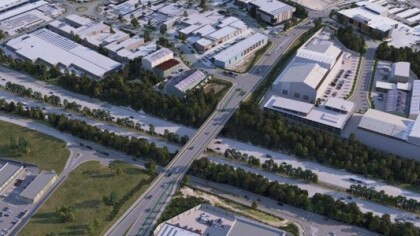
(140,218)
(311,223)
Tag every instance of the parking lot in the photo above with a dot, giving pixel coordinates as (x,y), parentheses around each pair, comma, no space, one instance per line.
(12,208)
(341,85)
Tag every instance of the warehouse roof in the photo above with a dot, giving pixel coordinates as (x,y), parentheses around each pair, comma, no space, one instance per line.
(19,10)
(272,7)
(205,30)
(163,52)
(310,74)
(401,69)
(415,98)
(385,85)
(223,32)
(378,9)
(371,19)
(319,50)
(339,104)
(37,185)
(7,171)
(61,51)
(239,47)
(386,124)
(5,4)
(189,80)
(408,13)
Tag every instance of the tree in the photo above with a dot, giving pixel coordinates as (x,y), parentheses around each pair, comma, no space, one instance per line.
(185,14)
(149,4)
(203,4)
(96,222)
(2,34)
(110,200)
(318,23)
(151,167)
(119,171)
(24,145)
(254,204)
(147,37)
(162,29)
(134,22)
(65,214)
(287,25)
(185,181)
(152,129)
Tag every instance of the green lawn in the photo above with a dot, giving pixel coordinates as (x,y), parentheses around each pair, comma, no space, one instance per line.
(83,190)
(47,152)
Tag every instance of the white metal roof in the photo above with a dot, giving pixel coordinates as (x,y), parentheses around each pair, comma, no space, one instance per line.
(339,104)
(205,30)
(415,98)
(172,230)
(272,7)
(308,73)
(21,9)
(227,21)
(396,10)
(163,52)
(408,13)
(239,47)
(387,124)
(374,20)
(61,51)
(414,19)
(7,171)
(376,8)
(415,130)
(190,81)
(223,32)
(401,69)
(385,85)
(4,4)
(37,185)
(290,104)
(203,42)
(404,86)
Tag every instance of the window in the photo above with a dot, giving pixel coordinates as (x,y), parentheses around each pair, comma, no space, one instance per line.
(297,95)
(285,92)
(305,97)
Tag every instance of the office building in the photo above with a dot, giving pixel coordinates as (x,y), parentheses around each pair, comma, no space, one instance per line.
(37,188)
(150,61)
(272,12)
(330,116)
(62,52)
(9,172)
(238,51)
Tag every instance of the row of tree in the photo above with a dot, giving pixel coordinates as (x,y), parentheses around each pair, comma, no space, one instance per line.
(270,130)
(270,165)
(322,204)
(131,86)
(391,53)
(351,39)
(137,147)
(381,197)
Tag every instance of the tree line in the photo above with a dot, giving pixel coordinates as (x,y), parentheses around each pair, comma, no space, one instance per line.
(137,147)
(391,53)
(131,86)
(351,40)
(383,198)
(270,165)
(322,204)
(265,128)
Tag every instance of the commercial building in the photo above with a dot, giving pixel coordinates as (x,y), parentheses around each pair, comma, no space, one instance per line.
(415,100)
(166,68)
(400,72)
(308,75)
(62,52)
(150,61)
(330,116)
(38,186)
(9,172)
(14,8)
(178,86)
(272,12)
(208,220)
(238,51)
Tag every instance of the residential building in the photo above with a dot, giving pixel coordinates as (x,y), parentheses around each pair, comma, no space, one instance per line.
(330,116)
(272,12)
(238,51)
(9,172)
(62,52)
(37,188)
(178,86)
(150,61)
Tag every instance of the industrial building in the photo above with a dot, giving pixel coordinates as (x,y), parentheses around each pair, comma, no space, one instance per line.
(415,100)
(272,12)
(150,61)
(164,69)
(38,186)
(178,86)
(9,172)
(310,72)
(400,72)
(331,115)
(205,219)
(62,52)
(238,51)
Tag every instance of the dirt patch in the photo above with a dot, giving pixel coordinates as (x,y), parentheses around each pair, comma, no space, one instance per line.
(216,87)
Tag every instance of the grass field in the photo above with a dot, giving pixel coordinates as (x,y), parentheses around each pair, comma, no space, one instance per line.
(84,190)
(46,151)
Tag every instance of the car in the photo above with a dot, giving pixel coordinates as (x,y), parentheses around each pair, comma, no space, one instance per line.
(149,196)
(147,210)
(132,117)
(89,147)
(44,108)
(169,174)
(6,215)
(191,148)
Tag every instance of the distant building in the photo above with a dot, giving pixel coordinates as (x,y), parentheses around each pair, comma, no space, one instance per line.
(272,12)
(156,58)
(46,47)
(178,86)
(208,220)
(238,51)
(9,172)
(415,100)
(164,69)
(330,116)
(400,72)
(38,186)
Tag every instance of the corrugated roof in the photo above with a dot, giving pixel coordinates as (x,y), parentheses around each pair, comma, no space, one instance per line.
(310,74)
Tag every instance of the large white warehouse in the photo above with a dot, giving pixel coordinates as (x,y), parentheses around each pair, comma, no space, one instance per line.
(150,61)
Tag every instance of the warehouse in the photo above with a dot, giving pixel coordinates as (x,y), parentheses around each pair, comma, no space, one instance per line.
(180,85)
(164,69)
(239,50)
(400,72)
(38,186)
(223,34)
(272,12)
(17,9)
(150,61)
(62,52)
(330,116)
(415,100)
(8,173)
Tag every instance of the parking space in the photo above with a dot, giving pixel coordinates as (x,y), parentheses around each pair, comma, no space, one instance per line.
(12,208)
(382,71)
(341,85)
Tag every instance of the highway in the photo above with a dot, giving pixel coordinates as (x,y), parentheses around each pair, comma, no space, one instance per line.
(142,215)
